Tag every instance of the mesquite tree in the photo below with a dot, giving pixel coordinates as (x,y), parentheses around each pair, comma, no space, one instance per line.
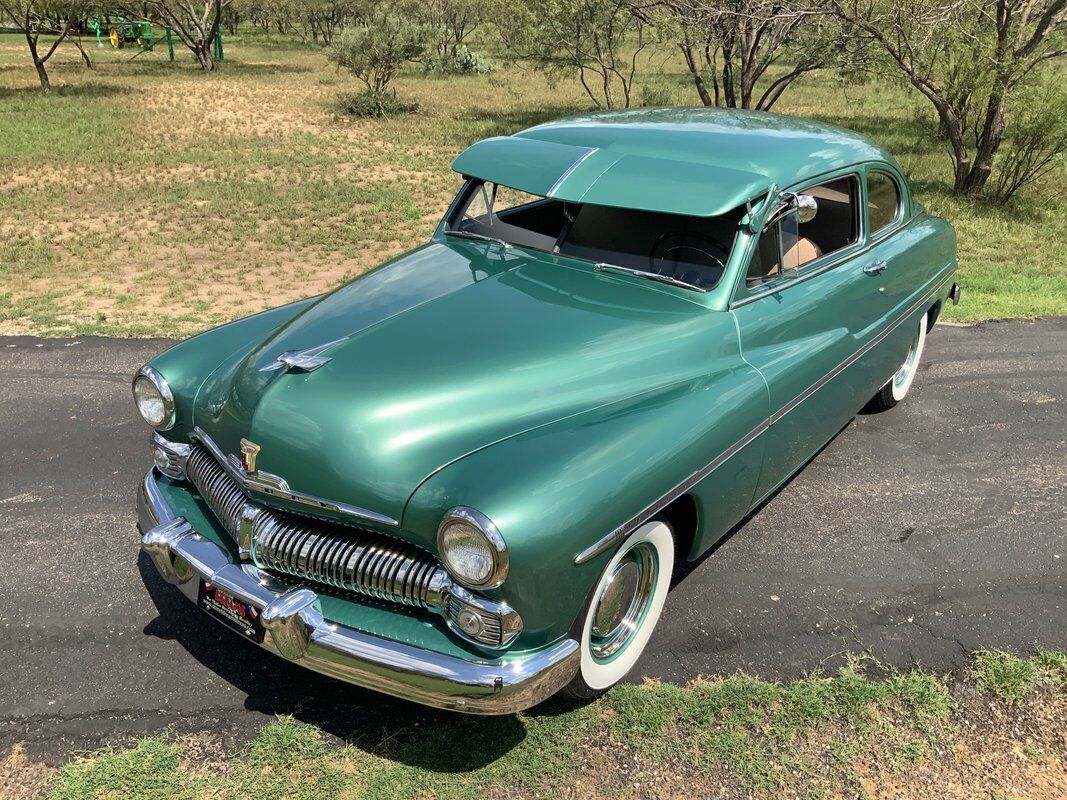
(32,18)
(599,40)
(732,44)
(968,58)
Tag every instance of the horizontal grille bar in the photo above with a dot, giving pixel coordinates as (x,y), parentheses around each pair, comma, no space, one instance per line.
(336,555)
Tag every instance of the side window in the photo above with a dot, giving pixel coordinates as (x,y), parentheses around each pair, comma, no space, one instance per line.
(883,200)
(790,244)
(766,263)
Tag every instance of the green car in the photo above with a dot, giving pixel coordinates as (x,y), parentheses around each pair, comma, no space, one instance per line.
(465,477)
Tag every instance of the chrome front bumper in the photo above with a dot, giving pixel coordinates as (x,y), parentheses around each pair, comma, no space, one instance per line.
(297,631)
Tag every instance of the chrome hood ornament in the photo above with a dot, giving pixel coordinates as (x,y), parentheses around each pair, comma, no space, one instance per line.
(307,360)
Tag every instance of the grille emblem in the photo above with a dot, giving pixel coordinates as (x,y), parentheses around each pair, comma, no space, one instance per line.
(249,451)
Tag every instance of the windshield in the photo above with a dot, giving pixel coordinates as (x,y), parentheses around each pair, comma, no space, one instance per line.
(690,251)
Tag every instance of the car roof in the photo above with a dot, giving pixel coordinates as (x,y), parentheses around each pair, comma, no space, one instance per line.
(694,161)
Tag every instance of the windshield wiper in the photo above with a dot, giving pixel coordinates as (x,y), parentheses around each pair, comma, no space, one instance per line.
(480,236)
(652,276)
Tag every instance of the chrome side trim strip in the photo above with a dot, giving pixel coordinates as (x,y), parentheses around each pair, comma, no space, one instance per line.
(623,530)
(251,483)
(296,630)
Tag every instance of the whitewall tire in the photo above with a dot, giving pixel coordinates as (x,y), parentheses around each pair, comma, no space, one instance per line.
(624,609)
(897,387)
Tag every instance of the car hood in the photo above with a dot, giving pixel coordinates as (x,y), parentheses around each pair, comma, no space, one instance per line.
(440,353)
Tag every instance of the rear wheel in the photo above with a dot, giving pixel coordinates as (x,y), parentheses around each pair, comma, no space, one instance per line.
(625,607)
(897,388)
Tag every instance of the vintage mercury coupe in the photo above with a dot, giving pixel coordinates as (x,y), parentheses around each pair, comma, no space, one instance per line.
(465,477)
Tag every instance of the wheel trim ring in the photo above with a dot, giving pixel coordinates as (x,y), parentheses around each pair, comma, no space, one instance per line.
(908,366)
(605,649)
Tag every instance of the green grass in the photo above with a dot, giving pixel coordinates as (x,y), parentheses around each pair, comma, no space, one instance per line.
(148,198)
(1010,678)
(818,736)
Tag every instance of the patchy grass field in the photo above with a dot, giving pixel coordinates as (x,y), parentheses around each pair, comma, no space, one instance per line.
(997,732)
(146,198)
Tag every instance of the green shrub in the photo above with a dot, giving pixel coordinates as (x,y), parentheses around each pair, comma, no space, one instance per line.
(656,94)
(463,62)
(375,50)
(370,103)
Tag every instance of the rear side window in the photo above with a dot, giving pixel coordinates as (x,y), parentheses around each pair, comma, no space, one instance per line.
(883,200)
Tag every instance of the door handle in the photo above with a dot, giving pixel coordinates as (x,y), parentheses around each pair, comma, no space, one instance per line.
(875,267)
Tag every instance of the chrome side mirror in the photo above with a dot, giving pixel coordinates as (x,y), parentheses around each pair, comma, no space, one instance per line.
(806,208)
(802,206)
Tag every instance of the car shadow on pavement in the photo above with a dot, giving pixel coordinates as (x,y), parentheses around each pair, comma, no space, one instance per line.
(374,722)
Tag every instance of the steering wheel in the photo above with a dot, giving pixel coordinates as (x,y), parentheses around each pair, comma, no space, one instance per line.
(696,253)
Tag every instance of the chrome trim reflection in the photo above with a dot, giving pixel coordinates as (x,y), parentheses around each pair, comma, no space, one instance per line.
(176,454)
(274,486)
(157,379)
(617,535)
(296,630)
(492,535)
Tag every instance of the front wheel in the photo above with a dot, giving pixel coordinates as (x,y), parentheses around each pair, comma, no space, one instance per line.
(625,607)
(897,388)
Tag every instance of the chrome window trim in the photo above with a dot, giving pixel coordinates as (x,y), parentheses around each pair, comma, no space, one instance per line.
(815,268)
(250,483)
(825,262)
(620,533)
(878,234)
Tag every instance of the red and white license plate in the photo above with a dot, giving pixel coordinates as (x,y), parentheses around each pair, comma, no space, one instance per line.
(237,614)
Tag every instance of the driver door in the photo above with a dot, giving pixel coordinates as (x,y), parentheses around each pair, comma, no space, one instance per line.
(804,311)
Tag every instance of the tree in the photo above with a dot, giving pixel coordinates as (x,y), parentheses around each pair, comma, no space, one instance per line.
(967,57)
(194,22)
(1038,137)
(451,21)
(375,50)
(34,17)
(600,40)
(733,43)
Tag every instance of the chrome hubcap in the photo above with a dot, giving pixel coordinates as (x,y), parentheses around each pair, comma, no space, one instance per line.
(624,599)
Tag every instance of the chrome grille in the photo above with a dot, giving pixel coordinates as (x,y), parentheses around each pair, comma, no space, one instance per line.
(336,555)
(220,491)
(347,559)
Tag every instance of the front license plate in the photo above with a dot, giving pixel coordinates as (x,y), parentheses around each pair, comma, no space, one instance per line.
(237,614)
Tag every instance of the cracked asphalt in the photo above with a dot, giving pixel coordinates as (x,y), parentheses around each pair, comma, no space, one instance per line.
(916,535)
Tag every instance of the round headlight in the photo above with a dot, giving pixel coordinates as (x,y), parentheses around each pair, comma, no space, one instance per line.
(154,399)
(472,549)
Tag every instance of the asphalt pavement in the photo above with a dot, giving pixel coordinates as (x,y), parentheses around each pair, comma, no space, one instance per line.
(917,535)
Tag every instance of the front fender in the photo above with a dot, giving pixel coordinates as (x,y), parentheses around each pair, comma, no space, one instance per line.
(188,364)
(556,490)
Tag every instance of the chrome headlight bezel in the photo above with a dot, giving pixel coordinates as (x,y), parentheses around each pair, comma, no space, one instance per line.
(495,546)
(159,383)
